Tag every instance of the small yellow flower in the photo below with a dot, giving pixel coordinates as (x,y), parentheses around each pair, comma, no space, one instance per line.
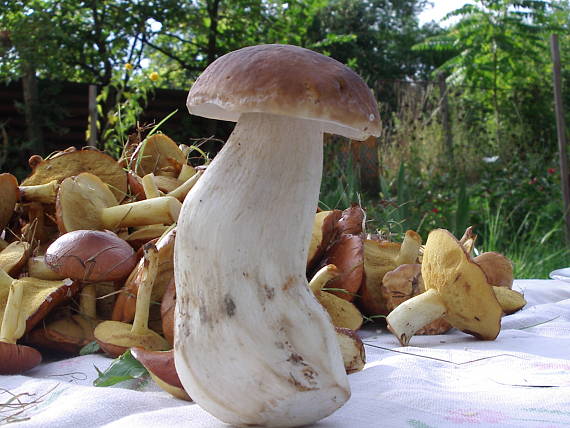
(153,76)
(128,66)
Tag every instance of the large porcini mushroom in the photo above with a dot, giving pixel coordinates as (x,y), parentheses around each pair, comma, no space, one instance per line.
(245,317)
(456,289)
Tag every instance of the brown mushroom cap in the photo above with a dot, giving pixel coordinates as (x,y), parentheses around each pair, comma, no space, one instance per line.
(160,365)
(8,196)
(167,310)
(91,255)
(497,267)
(347,254)
(286,80)
(17,359)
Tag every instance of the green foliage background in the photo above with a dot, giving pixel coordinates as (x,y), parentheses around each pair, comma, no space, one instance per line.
(502,172)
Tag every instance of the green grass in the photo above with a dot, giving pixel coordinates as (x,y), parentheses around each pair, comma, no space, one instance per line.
(534,249)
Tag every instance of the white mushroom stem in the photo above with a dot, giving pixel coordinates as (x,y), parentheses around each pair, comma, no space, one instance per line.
(44,193)
(142,213)
(246,319)
(415,313)
(13,324)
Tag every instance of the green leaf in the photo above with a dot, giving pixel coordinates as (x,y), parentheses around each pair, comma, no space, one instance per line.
(126,367)
(90,348)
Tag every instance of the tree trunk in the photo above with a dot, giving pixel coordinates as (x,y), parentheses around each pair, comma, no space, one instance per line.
(31,108)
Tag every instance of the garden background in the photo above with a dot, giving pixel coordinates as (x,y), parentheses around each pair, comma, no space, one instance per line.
(469,131)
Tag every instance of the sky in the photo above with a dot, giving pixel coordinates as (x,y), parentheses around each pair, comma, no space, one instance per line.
(439,9)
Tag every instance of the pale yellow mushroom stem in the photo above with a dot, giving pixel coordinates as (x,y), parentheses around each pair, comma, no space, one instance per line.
(38,268)
(140,323)
(181,191)
(186,172)
(149,186)
(324,275)
(162,210)
(88,301)
(44,193)
(410,248)
(13,323)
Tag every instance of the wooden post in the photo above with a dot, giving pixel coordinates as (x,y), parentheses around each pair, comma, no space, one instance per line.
(32,111)
(92,115)
(445,117)
(561,131)
(366,156)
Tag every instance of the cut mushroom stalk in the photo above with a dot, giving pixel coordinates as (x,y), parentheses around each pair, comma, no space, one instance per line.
(38,268)
(186,172)
(44,193)
(164,209)
(342,312)
(415,313)
(149,186)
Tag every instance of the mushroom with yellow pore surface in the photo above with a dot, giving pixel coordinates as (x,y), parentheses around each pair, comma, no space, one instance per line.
(456,289)
(245,317)
(74,162)
(343,313)
(87,256)
(39,298)
(85,202)
(14,358)
(381,257)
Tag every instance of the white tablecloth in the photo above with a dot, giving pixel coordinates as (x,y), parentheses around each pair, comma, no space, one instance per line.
(520,379)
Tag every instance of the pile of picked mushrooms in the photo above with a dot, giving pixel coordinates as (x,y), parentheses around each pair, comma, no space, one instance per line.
(254,285)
